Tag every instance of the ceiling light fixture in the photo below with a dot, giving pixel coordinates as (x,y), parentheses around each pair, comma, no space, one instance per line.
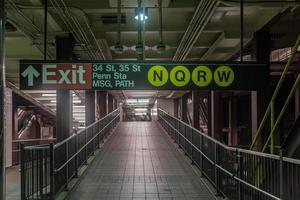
(140,15)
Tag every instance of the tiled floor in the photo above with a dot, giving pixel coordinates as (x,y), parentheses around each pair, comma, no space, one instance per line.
(140,162)
(13,183)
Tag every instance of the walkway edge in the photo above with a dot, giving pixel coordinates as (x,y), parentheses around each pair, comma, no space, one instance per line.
(63,195)
(195,169)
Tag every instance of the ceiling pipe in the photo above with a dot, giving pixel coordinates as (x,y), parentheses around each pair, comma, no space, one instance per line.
(278,3)
(204,11)
(186,33)
(213,46)
(161,47)
(203,20)
(119,47)
(28,29)
(79,33)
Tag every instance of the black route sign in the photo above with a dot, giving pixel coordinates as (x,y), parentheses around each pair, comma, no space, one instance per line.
(141,75)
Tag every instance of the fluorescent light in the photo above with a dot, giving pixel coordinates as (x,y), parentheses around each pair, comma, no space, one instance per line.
(143,100)
(140,114)
(44,98)
(74,101)
(49,95)
(131,100)
(140,109)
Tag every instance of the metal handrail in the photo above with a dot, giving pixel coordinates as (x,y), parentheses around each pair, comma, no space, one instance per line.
(270,108)
(224,145)
(258,167)
(55,165)
(83,130)
(83,147)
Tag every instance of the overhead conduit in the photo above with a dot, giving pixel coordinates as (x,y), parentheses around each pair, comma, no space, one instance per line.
(203,13)
(83,35)
(31,31)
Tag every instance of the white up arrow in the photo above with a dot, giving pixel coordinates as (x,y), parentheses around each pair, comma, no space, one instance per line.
(31,72)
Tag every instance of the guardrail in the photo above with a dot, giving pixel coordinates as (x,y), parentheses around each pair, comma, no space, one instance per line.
(16,147)
(46,170)
(236,173)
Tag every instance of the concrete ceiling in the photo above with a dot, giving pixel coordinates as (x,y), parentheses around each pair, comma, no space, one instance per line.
(217,40)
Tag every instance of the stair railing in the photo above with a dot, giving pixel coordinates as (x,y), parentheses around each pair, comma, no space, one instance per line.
(274,122)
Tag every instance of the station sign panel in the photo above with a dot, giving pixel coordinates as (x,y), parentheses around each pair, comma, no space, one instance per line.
(141,75)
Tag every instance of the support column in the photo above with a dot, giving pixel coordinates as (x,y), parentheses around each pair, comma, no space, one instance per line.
(101,103)
(184,108)
(176,102)
(110,103)
(114,104)
(297,95)
(89,107)
(2,99)
(64,114)
(259,99)
(216,129)
(196,104)
(232,121)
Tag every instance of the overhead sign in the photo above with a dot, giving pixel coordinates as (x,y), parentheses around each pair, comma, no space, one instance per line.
(141,75)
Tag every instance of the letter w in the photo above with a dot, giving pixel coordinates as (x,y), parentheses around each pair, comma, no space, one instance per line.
(224,75)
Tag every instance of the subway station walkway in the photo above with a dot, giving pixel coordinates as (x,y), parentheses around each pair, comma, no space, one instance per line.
(140,162)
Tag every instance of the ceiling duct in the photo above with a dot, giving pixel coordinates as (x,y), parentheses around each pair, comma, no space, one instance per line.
(201,17)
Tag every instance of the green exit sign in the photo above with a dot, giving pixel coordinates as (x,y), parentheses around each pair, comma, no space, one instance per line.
(141,75)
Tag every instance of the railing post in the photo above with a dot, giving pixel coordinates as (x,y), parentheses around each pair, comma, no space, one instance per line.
(40,169)
(76,157)
(52,167)
(23,173)
(281,175)
(67,166)
(216,169)
(272,142)
(85,149)
(239,173)
(93,142)
(200,155)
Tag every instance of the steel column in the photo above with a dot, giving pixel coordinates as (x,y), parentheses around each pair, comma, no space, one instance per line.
(216,114)
(2,99)
(101,103)
(89,107)
(64,114)
(232,131)
(176,102)
(184,108)
(196,104)
(110,103)
(261,50)
(297,96)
